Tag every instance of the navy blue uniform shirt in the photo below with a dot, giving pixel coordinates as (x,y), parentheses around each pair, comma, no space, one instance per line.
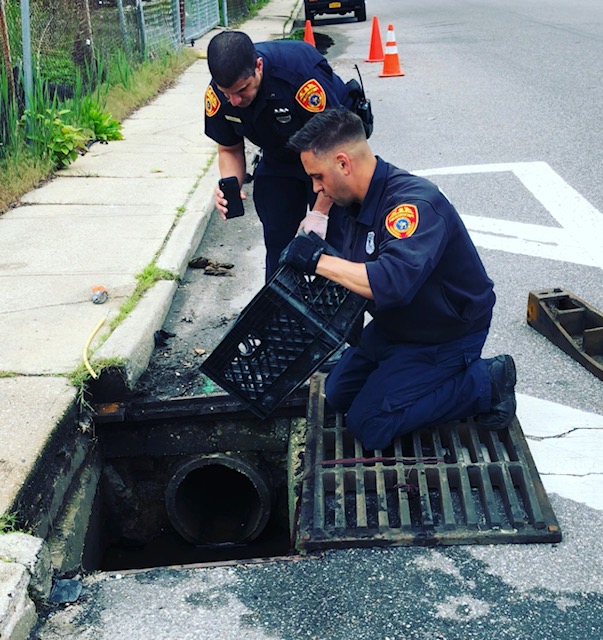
(297,82)
(428,281)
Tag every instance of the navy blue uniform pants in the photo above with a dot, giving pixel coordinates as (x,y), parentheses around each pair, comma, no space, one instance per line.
(389,389)
(281,203)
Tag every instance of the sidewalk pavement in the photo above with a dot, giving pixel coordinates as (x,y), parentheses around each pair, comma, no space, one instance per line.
(101,221)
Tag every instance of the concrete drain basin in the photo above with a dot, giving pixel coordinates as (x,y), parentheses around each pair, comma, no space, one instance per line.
(191,480)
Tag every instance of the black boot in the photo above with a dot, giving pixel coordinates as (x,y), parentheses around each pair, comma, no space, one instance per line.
(503,377)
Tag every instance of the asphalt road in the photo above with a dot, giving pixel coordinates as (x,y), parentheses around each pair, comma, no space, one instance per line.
(497,85)
(501,82)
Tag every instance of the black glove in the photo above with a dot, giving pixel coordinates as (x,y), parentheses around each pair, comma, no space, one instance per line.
(302,254)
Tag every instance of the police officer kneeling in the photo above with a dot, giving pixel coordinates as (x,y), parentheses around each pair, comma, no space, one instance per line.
(407,251)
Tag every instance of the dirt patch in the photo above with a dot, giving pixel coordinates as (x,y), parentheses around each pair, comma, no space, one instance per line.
(228,271)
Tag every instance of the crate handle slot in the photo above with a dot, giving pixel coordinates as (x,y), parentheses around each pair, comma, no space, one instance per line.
(249,345)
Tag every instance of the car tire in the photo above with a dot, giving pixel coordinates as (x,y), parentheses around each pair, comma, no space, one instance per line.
(360,13)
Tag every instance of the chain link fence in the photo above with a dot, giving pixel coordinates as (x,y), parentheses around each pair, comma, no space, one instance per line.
(237,10)
(68,34)
(72,39)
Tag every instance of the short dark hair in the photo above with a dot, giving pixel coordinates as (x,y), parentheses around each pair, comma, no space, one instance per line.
(231,56)
(327,130)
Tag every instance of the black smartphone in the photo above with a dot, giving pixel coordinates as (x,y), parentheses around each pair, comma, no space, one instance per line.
(232,192)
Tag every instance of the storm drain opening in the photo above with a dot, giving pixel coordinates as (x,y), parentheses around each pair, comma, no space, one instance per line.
(451,484)
(191,481)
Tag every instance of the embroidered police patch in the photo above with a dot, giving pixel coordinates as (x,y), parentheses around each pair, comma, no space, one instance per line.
(312,96)
(212,102)
(402,221)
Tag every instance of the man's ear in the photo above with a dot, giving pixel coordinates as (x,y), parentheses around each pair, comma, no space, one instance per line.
(259,64)
(343,163)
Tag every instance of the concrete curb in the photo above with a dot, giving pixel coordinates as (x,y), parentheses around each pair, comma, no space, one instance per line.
(187,234)
(133,340)
(25,576)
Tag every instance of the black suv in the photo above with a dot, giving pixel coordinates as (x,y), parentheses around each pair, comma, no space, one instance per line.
(314,7)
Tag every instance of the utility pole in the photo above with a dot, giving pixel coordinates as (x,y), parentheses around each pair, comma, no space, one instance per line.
(26,37)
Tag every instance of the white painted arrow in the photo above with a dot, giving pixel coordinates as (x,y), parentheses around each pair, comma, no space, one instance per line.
(579,237)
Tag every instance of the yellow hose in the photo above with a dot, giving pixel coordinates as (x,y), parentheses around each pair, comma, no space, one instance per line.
(87,345)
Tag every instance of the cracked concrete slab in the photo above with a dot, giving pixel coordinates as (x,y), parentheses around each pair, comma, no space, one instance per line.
(30,410)
(565,445)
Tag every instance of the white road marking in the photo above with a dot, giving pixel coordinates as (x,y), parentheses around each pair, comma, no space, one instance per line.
(565,444)
(578,240)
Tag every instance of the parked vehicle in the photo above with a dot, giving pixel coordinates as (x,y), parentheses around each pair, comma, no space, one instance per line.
(315,7)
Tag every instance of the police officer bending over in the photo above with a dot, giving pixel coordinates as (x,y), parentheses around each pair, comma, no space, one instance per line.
(265,93)
(406,250)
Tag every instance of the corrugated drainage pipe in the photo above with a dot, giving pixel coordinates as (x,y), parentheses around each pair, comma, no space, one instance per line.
(218,499)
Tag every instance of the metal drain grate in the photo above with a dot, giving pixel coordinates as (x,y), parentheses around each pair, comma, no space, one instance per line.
(453,484)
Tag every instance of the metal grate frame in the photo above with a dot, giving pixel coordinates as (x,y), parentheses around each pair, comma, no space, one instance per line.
(452,484)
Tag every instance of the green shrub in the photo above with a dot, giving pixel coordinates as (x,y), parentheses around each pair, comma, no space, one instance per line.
(102,124)
(53,136)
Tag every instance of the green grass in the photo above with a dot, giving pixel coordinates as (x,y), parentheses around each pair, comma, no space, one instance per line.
(252,11)
(8,523)
(80,377)
(21,170)
(148,81)
(298,34)
(145,280)
(19,173)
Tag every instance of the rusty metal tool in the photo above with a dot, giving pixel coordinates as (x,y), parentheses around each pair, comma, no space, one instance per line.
(572,324)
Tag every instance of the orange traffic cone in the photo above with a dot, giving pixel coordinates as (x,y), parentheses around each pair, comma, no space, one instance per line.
(308,34)
(376,46)
(391,63)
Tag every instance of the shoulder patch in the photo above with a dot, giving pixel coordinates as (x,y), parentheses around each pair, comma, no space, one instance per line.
(212,102)
(312,96)
(402,221)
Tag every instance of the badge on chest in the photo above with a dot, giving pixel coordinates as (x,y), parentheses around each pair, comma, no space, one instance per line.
(369,246)
(282,115)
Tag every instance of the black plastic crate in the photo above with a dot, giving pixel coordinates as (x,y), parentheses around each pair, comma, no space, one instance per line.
(282,337)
